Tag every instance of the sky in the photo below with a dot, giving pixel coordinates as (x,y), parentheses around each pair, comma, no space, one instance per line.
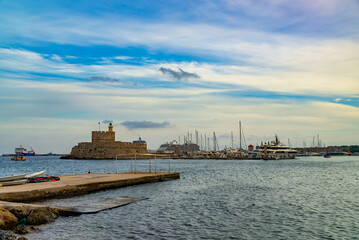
(162,69)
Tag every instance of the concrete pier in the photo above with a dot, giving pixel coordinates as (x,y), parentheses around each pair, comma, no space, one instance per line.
(72,185)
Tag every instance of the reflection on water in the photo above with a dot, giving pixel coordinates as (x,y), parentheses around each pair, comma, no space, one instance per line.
(305,198)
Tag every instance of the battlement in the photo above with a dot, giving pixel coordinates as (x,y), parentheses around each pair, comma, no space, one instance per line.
(101,136)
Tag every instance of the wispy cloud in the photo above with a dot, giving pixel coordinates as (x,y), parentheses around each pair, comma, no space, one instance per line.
(122,57)
(144,124)
(107,121)
(103,79)
(178,75)
(343,99)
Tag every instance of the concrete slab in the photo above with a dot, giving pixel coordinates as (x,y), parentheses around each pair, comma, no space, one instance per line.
(71,185)
(107,204)
(89,208)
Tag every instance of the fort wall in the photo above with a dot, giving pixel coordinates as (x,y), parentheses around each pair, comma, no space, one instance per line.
(107,150)
(104,146)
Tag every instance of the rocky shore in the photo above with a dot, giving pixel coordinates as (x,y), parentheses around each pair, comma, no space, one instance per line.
(16,220)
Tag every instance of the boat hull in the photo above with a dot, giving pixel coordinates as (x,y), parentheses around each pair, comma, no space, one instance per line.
(35,174)
(17,158)
(28,154)
(13,183)
(12,178)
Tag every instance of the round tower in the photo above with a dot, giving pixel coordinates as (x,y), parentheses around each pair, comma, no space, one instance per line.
(110,127)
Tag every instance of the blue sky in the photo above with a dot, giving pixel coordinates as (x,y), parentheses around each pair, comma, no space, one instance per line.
(285,67)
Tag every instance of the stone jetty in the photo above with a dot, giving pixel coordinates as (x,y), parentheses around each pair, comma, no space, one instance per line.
(72,185)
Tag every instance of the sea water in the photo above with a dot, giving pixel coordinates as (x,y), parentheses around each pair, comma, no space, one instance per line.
(302,198)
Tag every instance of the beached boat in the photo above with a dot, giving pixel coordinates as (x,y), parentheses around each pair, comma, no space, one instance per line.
(15,182)
(12,178)
(36,174)
(327,155)
(18,158)
(43,179)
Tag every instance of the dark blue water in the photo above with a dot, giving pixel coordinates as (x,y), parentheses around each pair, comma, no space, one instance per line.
(305,198)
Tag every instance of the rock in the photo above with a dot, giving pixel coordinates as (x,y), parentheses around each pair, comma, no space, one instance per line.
(19,211)
(4,235)
(25,229)
(7,219)
(22,238)
(41,216)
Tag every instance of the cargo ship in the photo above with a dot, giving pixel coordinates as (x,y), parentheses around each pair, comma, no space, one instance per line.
(24,152)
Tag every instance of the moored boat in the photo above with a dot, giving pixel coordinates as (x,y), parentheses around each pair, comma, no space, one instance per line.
(275,150)
(327,155)
(18,158)
(24,152)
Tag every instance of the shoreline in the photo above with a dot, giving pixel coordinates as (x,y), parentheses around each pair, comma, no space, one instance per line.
(19,216)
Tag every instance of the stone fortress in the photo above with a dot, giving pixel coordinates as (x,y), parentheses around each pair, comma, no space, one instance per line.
(104,146)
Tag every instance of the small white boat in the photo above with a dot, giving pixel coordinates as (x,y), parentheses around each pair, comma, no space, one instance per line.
(15,182)
(36,174)
(12,178)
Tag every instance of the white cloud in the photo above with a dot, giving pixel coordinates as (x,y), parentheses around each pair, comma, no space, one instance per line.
(122,57)
(56,57)
(332,72)
(187,109)
(249,59)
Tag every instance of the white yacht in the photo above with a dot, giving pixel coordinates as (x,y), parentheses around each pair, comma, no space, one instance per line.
(275,150)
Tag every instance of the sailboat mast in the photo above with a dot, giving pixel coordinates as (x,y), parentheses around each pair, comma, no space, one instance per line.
(214,141)
(205,142)
(232,138)
(240,135)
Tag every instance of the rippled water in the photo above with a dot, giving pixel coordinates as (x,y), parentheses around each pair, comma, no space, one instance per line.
(305,198)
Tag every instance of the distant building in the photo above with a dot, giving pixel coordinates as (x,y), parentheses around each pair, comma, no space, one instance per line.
(175,148)
(104,146)
(250,147)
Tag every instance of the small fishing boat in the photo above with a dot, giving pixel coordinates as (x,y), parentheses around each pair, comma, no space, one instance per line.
(18,158)
(36,174)
(327,155)
(15,182)
(12,178)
